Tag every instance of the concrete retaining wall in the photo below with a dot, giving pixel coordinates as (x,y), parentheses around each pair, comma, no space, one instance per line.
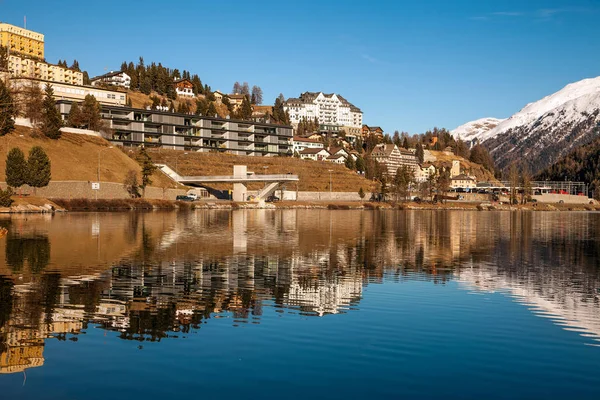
(333,196)
(81,131)
(83,189)
(566,198)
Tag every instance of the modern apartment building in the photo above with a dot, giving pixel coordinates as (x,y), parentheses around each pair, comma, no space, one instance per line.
(113,78)
(22,41)
(134,127)
(332,110)
(70,92)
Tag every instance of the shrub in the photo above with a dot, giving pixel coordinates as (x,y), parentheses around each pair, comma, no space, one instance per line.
(5,197)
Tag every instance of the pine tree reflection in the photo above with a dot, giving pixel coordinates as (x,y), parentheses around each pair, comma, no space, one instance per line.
(35,250)
(183,272)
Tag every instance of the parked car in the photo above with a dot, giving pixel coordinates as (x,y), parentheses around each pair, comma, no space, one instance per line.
(272,199)
(185,197)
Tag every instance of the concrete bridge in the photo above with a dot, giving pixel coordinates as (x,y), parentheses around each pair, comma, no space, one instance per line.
(240,178)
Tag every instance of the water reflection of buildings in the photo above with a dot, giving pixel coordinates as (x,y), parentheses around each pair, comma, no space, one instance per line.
(184,269)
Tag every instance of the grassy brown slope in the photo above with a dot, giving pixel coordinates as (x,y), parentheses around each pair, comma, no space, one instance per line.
(75,157)
(314,175)
(482,174)
(141,100)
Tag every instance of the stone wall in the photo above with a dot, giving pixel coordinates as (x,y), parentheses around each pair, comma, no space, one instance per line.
(83,189)
(565,198)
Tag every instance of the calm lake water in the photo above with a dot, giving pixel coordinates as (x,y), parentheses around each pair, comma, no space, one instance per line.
(301,304)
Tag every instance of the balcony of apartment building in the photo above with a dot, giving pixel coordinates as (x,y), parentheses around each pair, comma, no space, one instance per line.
(246,137)
(218,133)
(143,117)
(151,128)
(121,136)
(184,131)
(245,127)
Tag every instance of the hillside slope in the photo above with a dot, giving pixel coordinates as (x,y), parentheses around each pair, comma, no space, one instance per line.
(75,157)
(314,175)
(471,168)
(548,129)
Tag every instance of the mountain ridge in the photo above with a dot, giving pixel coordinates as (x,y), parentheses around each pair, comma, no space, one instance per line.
(545,130)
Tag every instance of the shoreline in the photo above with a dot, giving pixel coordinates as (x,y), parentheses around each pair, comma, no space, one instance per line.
(40,205)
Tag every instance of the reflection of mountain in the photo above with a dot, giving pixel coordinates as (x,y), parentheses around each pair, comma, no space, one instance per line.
(181,270)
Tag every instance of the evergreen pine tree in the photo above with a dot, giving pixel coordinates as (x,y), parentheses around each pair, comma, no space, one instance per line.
(3,58)
(86,78)
(32,99)
(90,112)
(405,142)
(8,111)
(201,107)
(148,168)
(75,119)
(245,111)
(16,168)
(51,120)
(212,110)
(38,168)
(350,163)
(420,153)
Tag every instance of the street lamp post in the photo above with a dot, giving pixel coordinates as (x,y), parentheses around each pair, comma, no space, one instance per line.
(330,184)
(98,171)
(177,160)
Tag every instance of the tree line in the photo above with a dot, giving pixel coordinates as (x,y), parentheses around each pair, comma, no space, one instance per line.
(582,165)
(158,78)
(255,96)
(39,106)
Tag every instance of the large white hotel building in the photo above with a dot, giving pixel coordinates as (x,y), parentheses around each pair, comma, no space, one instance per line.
(333,112)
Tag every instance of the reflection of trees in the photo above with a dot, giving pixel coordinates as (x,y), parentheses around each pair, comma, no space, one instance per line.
(175,285)
(6,304)
(33,249)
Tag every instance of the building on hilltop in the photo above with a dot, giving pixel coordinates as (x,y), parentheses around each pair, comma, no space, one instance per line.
(333,112)
(118,78)
(236,100)
(22,41)
(184,87)
(23,67)
(131,127)
(372,130)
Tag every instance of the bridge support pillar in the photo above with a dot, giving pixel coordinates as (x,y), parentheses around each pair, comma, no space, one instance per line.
(240,191)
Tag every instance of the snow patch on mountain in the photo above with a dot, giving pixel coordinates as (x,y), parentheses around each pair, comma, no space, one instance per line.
(474,130)
(569,104)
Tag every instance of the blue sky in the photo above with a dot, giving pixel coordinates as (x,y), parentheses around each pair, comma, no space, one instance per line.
(409,65)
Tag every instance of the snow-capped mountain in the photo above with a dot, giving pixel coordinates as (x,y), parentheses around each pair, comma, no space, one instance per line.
(474,130)
(548,129)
